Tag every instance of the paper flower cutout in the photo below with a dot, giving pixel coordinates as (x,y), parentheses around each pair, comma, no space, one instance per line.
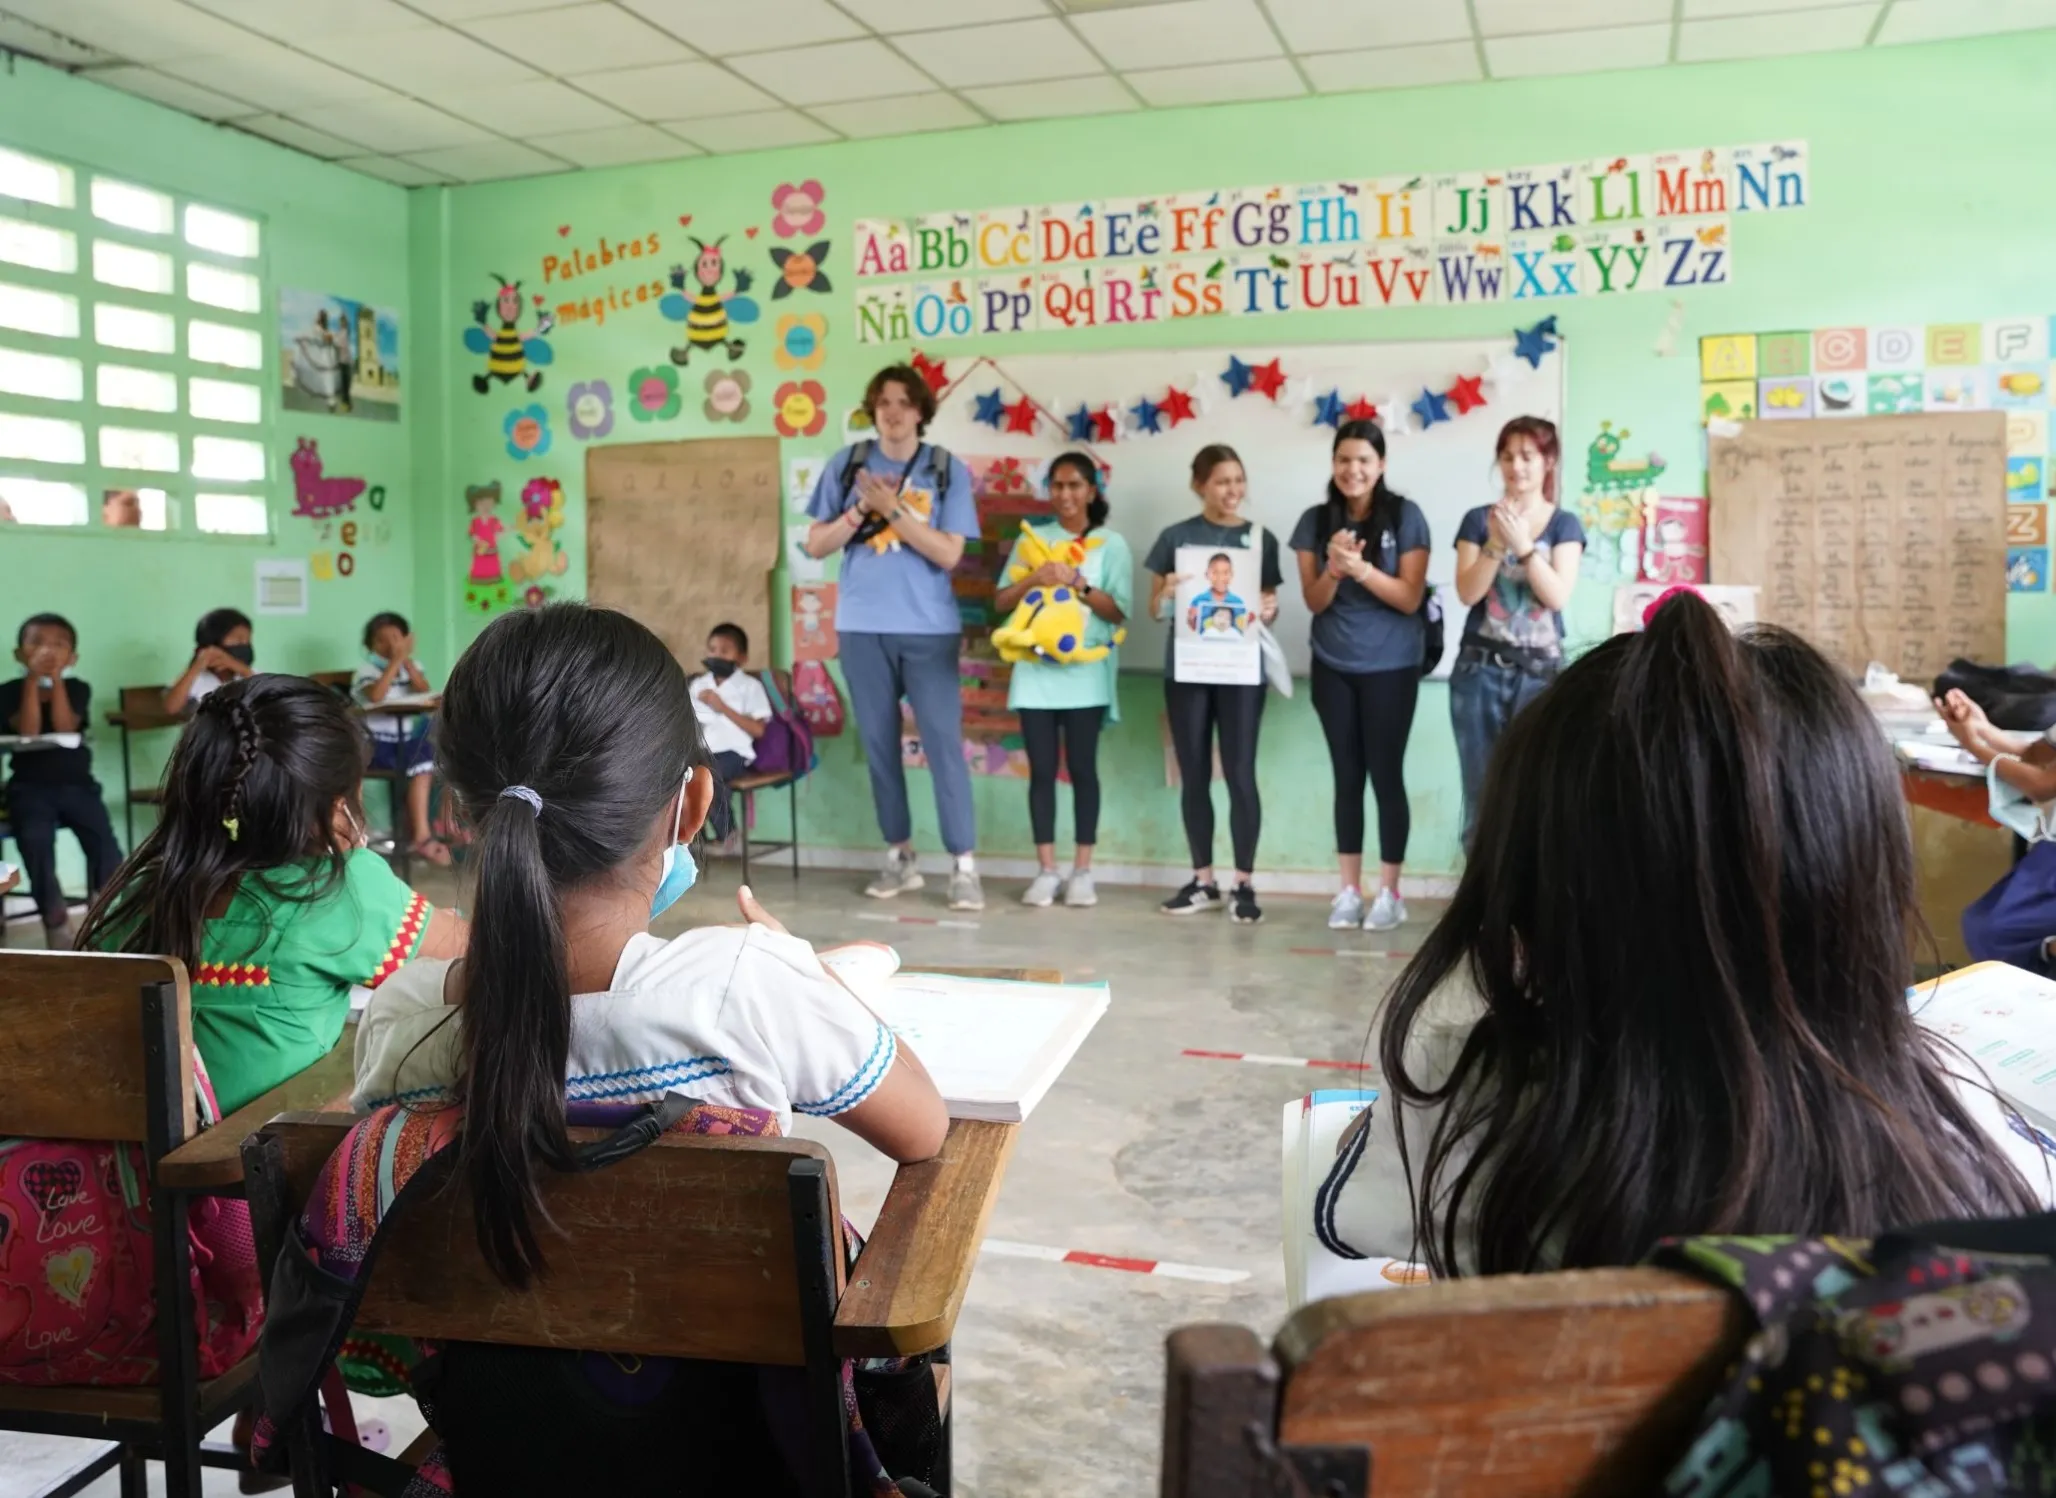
(653,393)
(539,496)
(591,407)
(802,408)
(1431,408)
(1268,380)
(1467,394)
(528,432)
(1360,410)
(1005,476)
(1328,410)
(934,371)
(800,270)
(1177,404)
(989,408)
(728,395)
(797,209)
(1021,416)
(1532,343)
(1079,424)
(1236,376)
(1149,416)
(536,596)
(802,341)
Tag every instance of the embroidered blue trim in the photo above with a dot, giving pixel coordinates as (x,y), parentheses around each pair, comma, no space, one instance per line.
(413,1094)
(643,1078)
(862,1085)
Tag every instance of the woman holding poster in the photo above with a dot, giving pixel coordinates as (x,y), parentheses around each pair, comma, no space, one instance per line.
(1203,574)
(1516,567)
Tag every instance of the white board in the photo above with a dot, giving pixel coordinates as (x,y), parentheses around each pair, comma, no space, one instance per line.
(1446,469)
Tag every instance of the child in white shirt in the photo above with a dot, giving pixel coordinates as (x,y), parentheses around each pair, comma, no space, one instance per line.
(733,711)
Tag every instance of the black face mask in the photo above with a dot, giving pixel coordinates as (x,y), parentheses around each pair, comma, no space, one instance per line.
(721,668)
(244,653)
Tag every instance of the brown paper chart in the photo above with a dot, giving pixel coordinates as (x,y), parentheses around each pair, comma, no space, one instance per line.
(1878,538)
(683,535)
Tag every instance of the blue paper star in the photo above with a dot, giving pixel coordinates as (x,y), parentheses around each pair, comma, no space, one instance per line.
(1431,408)
(1236,376)
(1149,416)
(1328,409)
(1532,343)
(991,409)
(1080,423)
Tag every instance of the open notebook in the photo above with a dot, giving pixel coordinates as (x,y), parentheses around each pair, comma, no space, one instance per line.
(2003,1018)
(993,1047)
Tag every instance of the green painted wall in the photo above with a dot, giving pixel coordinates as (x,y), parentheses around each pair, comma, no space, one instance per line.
(135,596)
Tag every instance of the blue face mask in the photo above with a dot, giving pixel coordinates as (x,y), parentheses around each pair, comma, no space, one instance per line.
(680,872)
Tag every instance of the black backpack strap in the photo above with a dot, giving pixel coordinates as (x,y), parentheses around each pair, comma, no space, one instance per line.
(938,469)
(635,1136)
(2032,1236)
(859,455)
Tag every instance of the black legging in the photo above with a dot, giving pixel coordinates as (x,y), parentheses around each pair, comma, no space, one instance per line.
(1367,716)
(1195,711)
(1079,728)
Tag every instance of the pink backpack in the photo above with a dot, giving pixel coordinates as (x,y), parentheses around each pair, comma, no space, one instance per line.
(78,1301)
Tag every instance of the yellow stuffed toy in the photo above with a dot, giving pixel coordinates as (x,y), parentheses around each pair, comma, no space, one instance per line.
(1048,624)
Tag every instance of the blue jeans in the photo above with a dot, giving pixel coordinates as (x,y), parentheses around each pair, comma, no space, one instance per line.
(1487,690)
(881,669)
(2011,920)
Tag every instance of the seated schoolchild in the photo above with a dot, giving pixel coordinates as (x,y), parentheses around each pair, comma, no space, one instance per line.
(2015,920)
(222,652)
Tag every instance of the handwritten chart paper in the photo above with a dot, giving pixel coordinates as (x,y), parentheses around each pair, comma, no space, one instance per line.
(1877,538)
(683,535)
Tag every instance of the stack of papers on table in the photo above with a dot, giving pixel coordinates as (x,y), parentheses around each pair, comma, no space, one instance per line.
(2004,1019)
(1944,757)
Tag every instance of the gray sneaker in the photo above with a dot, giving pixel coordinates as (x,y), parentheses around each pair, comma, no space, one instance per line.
(1388,913)
(900,874)
(1346,911)
(1078,891)
(1042,889)
(965,892)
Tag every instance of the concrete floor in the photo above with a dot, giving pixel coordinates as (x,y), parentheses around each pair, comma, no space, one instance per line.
(1138,1152)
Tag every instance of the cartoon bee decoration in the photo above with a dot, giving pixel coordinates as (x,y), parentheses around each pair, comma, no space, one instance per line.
(508,354)
(707,312)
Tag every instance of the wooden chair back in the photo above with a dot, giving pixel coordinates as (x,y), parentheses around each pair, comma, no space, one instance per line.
(76,1056)
(1583,1383)
(686,1249)
(339,682)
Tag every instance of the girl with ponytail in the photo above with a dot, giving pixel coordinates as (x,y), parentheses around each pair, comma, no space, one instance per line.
(1669,996)
(570,741)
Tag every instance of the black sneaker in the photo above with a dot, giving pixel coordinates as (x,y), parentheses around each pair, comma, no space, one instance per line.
(1192,899)
(1244,907)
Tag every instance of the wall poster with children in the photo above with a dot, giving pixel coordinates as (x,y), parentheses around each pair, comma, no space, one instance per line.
(1214,638)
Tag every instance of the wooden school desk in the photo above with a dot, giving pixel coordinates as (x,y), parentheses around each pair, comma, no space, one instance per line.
(1959,852)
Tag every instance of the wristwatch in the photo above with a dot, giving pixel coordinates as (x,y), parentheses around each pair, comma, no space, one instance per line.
(1084,590)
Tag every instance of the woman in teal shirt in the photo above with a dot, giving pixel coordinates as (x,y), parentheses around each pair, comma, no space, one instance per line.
(1070,704)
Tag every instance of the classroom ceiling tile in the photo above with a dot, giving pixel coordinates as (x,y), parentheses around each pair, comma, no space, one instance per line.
(133,30)
(833,73)
(392,169)
(1842,28)
(1938,20)
(676,91)
(1009,52)
(1043,101)
(426,62)
(302,20)
(721,27)
(273,76)
(930,15)
(581,39)
(1577,51)
(910,115)
(392,124)
(617,145)
(1353,25)
(1769,10)
(752,132)
(59,49)
(542,106)
(1218,83)
(300,137)
(488,161)
(1521,17)
(1179,34)
(1393,67)
(173,93)
(473,10)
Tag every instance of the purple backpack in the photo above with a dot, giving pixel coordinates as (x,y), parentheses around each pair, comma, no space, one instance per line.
(787,746)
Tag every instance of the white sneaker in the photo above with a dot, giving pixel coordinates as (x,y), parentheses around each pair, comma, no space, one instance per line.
(1388,913)
(1042,889)
(900,874)
(965,892)
(1346,911)
(1078,891)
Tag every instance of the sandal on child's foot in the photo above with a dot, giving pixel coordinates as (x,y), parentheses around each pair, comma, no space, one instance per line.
(434,850)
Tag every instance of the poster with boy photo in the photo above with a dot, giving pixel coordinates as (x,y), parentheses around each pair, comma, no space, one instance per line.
(1215,638)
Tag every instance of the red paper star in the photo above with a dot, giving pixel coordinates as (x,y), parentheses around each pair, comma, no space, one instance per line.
(1360,410)
(934,371)
(1177,405)
(1467,394)
(1021,416)
(1267,379)
(1106,424)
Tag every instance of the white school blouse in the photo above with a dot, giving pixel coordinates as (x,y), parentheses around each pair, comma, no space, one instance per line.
(739,1016)
(1364,1204)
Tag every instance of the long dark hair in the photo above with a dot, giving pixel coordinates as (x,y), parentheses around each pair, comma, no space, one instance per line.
(587,709)
(1542,432)
(1085,468)
(250,793)
(1687,915)
(1383,518)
